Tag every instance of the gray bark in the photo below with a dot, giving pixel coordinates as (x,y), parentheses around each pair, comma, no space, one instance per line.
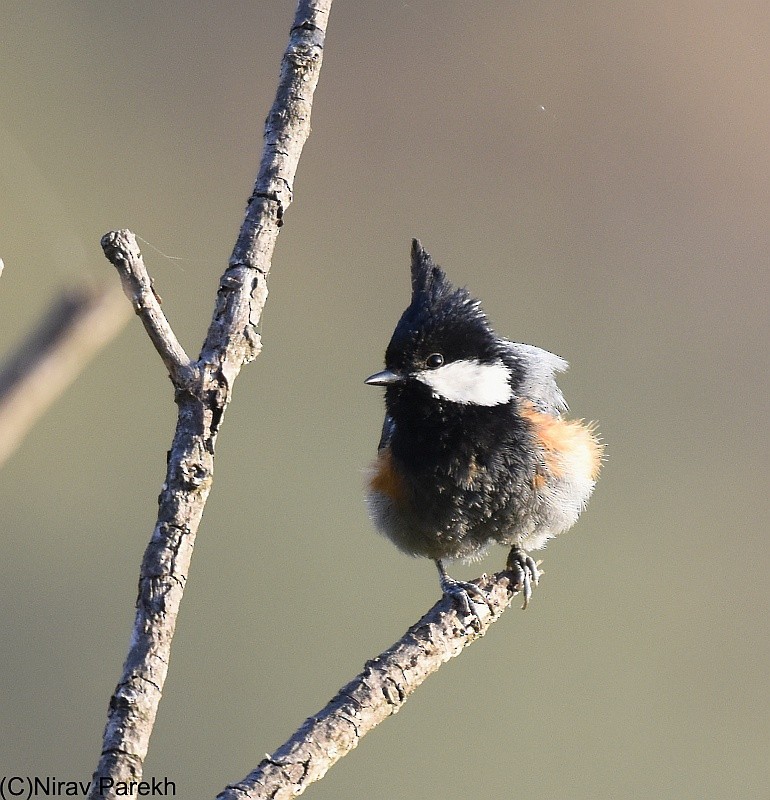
(379,691)
(202,392)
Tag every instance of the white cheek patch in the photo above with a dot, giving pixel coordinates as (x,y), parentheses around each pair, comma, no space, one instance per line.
(469,382)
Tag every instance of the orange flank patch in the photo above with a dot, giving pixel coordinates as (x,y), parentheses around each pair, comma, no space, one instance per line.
(570,446)
(386,480)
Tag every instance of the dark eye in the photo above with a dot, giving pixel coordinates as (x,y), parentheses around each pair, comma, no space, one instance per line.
(434,361)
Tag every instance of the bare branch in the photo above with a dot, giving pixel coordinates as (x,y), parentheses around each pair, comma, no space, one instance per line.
(232,340)
(379,691)
(122,251)
(76,326)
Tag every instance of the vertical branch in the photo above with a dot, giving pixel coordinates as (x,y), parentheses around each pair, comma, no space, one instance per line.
(232,338)
(202,392)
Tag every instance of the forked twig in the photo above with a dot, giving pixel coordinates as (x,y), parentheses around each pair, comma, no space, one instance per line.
(202,393)
(203,390)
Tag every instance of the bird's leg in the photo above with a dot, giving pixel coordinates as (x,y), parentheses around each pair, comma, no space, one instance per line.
(464,592)
(525,570)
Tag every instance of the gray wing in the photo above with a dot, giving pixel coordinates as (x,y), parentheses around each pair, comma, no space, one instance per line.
(539,384)
(388,427)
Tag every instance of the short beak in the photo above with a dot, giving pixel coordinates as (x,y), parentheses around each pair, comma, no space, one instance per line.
(384,378)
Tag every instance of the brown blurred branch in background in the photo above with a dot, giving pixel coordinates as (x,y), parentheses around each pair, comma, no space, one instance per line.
(77,325)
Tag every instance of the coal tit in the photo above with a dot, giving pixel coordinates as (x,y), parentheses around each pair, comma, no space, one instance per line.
(474,449)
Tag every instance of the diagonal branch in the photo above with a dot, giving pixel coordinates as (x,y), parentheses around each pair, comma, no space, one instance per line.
(77,325)
(379,691)
(122,251)
(202,395)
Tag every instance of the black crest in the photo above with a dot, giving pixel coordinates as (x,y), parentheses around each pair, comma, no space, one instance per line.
(441,317)
(432,290)
(426,274)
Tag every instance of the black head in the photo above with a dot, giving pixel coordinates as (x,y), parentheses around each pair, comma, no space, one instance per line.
(441,319)
(444,342)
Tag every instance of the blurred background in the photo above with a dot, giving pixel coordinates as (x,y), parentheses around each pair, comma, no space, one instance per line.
(598,174)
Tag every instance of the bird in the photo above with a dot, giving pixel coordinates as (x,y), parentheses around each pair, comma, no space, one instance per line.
(475,448)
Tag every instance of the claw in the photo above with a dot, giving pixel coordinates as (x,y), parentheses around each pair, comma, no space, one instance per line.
(526,572)
(466,594)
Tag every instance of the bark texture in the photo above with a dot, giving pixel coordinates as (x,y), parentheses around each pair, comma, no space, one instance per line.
(379,691)
(202,392)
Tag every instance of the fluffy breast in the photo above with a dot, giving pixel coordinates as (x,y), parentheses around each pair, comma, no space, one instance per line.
(386,481)
(388,500)
(419,522)
(571,457)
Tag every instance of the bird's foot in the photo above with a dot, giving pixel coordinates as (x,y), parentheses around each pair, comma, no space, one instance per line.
(525,571)
(467,595)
